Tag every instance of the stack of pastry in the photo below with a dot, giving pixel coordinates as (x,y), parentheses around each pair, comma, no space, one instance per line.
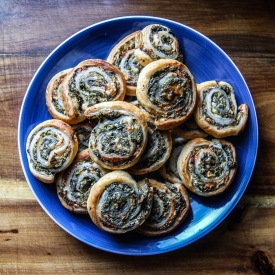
(129,164)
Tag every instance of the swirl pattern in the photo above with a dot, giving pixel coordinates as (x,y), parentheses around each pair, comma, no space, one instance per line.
(90,82)
(54,99)
(156,42)
(74,183)
(51,147)
(123,57)
(166,89)
(170,207)
(120,136)
(217,112)
(169,170)
(83,132)
(156,153)
(119,204)
(207,167)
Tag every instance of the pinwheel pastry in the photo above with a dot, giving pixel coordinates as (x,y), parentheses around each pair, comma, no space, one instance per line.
(157,151)
(169,170)
(170,207)
(118,204)
(167,90)
(189,130)
(217,112)
(83,133)
(74,184)
(92,81)
(156,42)
(51,147)
(120,136)
(207,167)
(54,99)
(123,57)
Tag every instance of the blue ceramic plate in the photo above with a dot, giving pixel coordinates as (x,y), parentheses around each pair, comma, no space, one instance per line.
(206,61)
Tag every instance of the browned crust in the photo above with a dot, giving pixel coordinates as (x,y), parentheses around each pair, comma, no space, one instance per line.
(130,90)
(116,48)
(184,173)
(51,87)
(81,156)
(144,53)
(212,129)
(65,128)
(68,102)
(177,142)
(168,138)
(162,123)
(133,110)
(158,185)
(98,188)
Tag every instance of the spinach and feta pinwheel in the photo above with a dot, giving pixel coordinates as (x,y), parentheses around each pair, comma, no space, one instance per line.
(118,204)
(156,42)
(169,170)
(120,135)
(170,207)
(206,167)
(217,112)
(189,130)
(74,183)
(157,151)
(54,99)
(123,57)
(167,90)
(92,81)
(83,133)
(51,147)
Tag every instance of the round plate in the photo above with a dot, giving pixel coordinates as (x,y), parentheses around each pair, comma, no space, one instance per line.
(206,61)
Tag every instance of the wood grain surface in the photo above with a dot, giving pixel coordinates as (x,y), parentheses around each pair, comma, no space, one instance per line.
(31,243)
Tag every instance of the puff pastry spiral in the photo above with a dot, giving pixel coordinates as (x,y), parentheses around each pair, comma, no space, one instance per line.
(120,136)
(92,81)
(155,42)
(123,57)
(170,207)
(217,112)
(207,167)
(54,99)
(167,90)
(74,183)
(51,147)
(118,204)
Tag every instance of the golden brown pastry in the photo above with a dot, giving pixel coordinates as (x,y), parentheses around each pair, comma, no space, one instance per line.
(206,167)
(123,57)
(169,170)
(54,99)
(170,207)
(155,42)
(74,184)
(189,130)
(217,112)
(167,90)
(120,136)
(83,133)
(157,150)
(92,81)
(51,147)
(118,204)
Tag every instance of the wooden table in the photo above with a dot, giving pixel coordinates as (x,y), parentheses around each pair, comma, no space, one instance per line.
(31,243)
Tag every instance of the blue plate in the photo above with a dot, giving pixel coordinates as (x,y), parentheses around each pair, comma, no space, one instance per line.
(206,61)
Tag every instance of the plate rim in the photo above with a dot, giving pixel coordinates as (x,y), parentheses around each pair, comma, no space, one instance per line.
(20,121)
